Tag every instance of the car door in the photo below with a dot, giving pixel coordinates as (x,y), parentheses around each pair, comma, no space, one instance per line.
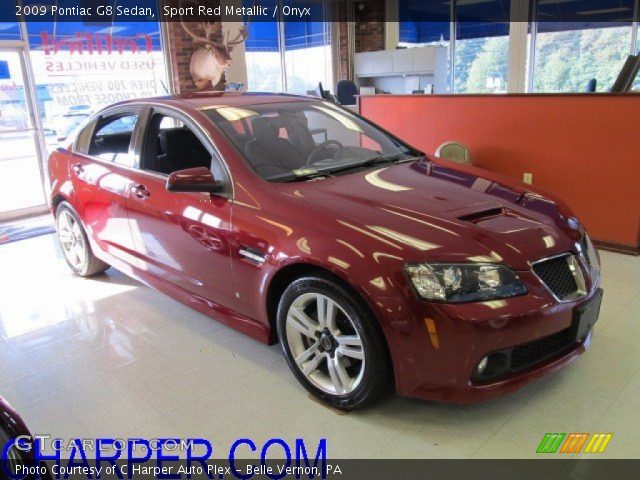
(100,164)
(181,238)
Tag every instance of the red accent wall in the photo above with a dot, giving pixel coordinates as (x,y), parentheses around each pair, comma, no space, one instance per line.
(583,148)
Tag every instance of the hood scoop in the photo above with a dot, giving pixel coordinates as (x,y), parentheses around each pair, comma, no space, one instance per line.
(503,220)
(479,216)
(497,218)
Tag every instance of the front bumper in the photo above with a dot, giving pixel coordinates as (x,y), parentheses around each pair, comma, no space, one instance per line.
(436,348)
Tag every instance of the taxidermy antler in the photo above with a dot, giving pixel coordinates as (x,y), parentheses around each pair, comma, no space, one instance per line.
(209,62)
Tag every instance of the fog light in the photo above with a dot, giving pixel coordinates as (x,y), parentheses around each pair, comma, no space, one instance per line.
(482,365)
(492,366)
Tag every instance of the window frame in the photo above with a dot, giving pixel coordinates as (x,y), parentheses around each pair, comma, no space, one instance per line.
(199,131)
(105,121)
(83,140)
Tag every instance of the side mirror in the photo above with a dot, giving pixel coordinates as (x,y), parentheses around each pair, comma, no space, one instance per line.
(199,179)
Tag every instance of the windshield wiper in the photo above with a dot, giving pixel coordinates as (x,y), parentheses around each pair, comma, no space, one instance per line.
(381,159)
(289,177)
(378,160)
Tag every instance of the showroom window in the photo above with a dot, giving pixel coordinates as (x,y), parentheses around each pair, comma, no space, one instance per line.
(570,43)
(569,49)
(307,56)
(70,70)
(9,31)
(288,56)
(118,61)
(481,49)
(264,63)
(413,32)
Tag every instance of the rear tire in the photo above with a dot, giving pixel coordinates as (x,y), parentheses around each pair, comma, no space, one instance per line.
(75,243)
(333,343)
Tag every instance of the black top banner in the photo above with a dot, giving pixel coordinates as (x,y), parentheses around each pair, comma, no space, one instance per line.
(589,13)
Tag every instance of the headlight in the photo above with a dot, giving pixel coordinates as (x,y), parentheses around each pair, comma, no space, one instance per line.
(457,283)
(590,254)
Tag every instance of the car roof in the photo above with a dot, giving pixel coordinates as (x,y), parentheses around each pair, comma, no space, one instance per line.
(201,100)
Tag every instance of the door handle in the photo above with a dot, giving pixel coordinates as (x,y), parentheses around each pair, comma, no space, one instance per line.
(140,191)
(253,255)
(77,168)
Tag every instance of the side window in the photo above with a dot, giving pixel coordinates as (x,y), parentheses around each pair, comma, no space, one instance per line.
(112,137)
(171,145)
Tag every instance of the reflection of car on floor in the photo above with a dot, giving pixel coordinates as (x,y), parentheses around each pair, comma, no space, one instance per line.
(12,427)
(294,220)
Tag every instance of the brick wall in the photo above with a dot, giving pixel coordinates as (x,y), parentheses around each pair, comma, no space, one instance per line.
(340,11)
(343,50)
(369,27)
(369,31)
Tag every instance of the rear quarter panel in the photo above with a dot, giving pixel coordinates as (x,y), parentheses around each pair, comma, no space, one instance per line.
(61,185)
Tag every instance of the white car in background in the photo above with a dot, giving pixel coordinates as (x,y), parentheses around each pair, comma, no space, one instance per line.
(67,122)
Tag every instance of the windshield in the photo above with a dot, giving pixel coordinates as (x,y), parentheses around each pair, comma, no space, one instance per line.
(297,141)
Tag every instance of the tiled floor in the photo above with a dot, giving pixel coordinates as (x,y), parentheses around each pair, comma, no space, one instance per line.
(107,356)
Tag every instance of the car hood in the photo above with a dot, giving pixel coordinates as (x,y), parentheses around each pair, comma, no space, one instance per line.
(427,211)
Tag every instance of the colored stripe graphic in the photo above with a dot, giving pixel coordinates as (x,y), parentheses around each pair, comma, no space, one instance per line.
(574,442)
(598,443)
(550,442)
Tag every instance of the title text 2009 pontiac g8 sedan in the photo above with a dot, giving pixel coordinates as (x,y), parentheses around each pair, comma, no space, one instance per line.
(295,221)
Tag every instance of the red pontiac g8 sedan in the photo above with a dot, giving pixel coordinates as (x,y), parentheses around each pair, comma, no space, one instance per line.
(294,220)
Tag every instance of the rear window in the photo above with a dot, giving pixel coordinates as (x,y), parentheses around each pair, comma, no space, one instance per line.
(112,138)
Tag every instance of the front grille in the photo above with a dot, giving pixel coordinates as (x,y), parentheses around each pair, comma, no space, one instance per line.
(537,351)
(520,357)
(557,276)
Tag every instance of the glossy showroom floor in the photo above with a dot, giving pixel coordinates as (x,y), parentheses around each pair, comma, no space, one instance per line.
(110,357)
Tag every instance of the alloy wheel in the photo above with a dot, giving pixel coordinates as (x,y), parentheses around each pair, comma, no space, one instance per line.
(325,344)
(72,240)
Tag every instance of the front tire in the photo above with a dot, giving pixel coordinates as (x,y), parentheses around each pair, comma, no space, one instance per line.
(332,343)
(75,244)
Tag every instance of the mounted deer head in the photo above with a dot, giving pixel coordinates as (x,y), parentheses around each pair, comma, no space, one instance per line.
(209,62)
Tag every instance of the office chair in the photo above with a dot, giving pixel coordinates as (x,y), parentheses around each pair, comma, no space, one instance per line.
(455,152)
(325,94)
(347,92)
